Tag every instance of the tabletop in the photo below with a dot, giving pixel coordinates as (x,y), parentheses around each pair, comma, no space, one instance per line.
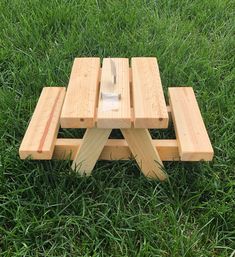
(140,102)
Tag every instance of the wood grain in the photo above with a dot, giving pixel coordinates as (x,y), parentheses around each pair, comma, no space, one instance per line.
(144,152)
(90,149)
(191,133)
(40,136)
(80,101)
(115,149)
(120,118)
(150,109)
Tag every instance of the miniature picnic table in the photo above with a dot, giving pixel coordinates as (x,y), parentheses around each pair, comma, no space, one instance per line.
(140,106)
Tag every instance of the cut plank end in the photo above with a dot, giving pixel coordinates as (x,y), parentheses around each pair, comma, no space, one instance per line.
(71,122)
(160,123)
(196,157)
(114,123)
(35,155)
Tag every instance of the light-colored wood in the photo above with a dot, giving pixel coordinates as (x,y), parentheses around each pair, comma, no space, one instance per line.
(146,155)
(131,93)
(121,117)
(115,149)
(150,109)
(132,115)
(193,140)
(91,147)
(40,136)
(80,101)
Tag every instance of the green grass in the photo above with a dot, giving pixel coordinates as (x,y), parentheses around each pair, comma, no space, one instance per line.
(47,210)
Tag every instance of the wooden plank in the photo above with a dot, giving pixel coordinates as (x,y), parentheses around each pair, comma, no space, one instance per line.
(131,93)
(121,117)
(80,101)
(132,114)
(40,136)
(115,149)
(146,155)
(193,140)
(91,147)
(149,103)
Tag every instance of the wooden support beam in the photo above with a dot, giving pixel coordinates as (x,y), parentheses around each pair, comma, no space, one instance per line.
(115,149)
(144,152)
(90,149)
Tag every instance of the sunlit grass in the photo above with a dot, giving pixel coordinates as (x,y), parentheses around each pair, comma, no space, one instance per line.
(47,210)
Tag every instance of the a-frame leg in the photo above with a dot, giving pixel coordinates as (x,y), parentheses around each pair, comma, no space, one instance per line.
(146,155)
(91,147)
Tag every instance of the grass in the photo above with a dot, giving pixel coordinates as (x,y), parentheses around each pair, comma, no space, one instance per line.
(47,210)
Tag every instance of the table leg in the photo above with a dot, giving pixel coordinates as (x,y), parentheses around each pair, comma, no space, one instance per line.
(146,155)
(91,147)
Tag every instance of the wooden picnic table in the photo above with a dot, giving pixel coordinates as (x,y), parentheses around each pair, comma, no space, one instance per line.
(133,102)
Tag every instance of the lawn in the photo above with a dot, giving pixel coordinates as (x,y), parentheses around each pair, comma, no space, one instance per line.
(48,210)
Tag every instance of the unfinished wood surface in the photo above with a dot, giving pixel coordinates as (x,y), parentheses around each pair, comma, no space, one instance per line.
(145,153)
(193,140)
(91,147)
(115,149)
(80,101)
(40,136)
(118,117)
(148,99)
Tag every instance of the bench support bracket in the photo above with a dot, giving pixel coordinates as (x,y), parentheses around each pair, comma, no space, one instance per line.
(139,142)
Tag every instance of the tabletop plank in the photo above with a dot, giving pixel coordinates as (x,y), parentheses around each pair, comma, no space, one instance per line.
(80,100)
(120,116)
(150,109)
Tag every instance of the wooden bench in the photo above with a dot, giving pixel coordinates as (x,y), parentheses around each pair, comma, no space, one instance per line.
(135,105)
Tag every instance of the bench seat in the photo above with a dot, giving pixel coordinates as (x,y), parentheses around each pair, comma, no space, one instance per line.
(191,134)
(39,140)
